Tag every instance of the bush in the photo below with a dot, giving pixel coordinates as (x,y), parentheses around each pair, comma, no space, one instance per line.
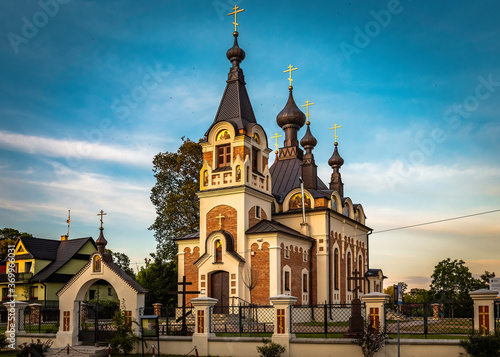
(37,349)
(124,339)
(372,341)
(270,349)
(478,345)
(3,341)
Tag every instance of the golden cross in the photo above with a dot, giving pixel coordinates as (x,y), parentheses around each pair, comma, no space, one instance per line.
(68,221)
(219,217)
(335,127)
(101,214)
(276,136)
(235,13)
(290,69)
(307,105)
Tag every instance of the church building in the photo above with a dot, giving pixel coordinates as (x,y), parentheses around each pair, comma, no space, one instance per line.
(267,231)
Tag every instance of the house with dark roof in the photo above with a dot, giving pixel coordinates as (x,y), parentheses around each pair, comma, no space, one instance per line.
(43,266)
(279,229)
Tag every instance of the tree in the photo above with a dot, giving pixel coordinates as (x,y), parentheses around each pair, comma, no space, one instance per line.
(250,278)
(159,278)
(8,236)
(451,283)
(122,260)
(485,279)
(174,196)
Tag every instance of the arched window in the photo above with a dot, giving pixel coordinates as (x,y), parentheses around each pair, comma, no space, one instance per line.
(346,210)
(218,251)
(238,173)
(349,271)
(334,204)
(336,268)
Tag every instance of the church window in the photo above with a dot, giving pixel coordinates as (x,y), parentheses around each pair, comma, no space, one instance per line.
(287,281)
(224,155)
(223,135)
(248,174)
(349,271)
(336,268)
(257,212)
(218,251)
(255,158)
(334,204)
(238,173)
(205,178)
(256,138)
(267,183)
(287,252)
(304,283)
(296,201)
(346,210)
(96,264)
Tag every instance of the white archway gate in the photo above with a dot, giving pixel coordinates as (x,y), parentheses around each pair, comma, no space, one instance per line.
(100,266)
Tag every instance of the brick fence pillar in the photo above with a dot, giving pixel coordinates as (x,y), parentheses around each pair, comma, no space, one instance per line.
(282,315)
(484,314)
(157,309)
(202,309)
(375,308)
(35,313)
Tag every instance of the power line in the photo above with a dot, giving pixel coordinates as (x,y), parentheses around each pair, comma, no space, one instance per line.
(439,221)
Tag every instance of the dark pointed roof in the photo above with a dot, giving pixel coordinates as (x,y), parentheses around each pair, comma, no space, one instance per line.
(265,226)
(291,114)
(101,242)
(235,106)
(308,141)
(336,159)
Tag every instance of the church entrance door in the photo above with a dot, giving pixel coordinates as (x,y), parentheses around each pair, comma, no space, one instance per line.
(219,289)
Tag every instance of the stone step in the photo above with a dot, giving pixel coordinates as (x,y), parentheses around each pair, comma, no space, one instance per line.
(78,351)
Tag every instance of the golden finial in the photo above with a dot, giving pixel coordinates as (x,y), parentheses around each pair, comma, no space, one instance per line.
(276,136)
(308,103)
(290,69)
(235,13)
(101,214)
(335,127)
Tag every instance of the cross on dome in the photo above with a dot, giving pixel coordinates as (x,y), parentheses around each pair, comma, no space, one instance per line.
(335,127)
(308,103)
(290,69)
(235,13)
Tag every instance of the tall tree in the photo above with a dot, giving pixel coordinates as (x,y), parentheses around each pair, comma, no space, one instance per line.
(159,278)
(174,196)
(122,260)
(8,236)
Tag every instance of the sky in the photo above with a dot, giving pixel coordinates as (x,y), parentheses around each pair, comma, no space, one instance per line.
(90,91)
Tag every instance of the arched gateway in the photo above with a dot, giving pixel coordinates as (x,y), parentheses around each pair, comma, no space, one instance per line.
(71,295)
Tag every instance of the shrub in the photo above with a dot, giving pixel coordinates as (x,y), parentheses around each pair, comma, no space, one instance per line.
(372,340)
(124,339)
(37,349)
(478,345)
(270,349)
(3,341)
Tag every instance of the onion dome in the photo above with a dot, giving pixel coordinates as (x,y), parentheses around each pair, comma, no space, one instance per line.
(291,114)
(101,242)
(235,54)
(336,160)
(308,141)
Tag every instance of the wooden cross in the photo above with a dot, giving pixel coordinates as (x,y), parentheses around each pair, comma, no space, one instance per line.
(220,217)
(290,69)
(308,103)
(101,214)
(276,136)
(235,13)
(356,278)
(336,127)
(183,292)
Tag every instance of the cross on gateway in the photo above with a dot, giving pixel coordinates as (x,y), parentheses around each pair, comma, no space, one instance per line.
(290,69)
(356,278)
(220,217)
(235,13)
(308,103)
(99,214)
(335,127)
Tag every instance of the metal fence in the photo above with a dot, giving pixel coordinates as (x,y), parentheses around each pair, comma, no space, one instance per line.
(170,320)
(39,320)
(329,320)
(497,316)
(419,319)
(242,320)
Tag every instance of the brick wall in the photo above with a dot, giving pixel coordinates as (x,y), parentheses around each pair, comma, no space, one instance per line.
(296,264)
(208,156)
(229,222)
(260,268)
(242,151)
(252,219)
(191,270)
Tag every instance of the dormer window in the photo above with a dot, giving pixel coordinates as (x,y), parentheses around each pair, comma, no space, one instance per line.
(346,210)
(224,155)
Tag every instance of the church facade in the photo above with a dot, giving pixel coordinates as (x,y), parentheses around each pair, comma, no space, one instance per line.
(267,231)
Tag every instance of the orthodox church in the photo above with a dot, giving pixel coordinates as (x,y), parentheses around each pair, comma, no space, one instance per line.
(267,231)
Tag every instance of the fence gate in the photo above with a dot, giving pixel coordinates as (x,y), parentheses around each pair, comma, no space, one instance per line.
(95,323)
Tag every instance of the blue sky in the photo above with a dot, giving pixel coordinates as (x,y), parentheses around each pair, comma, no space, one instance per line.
(92,90)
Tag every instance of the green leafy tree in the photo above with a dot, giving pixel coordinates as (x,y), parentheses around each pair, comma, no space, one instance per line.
(122,260)
(417,296)
(174,196)
(451,283)
(485,279)
(159,278)
(8,236)
(124,339)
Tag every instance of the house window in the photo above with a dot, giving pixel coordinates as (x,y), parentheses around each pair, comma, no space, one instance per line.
(5,293)
(27,267)
(218,251)
(91,294)
(224,155)
(287,252)
(257,212)
(110,292)
(255,157)
(336,268)
(287,281)
(304,283)
(34,292)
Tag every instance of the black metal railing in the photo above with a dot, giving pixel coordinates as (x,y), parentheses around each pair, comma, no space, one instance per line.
(39,320)
(328,320)
(20,277)
(420,319)
(170,319)
(242,320)
(497,316)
